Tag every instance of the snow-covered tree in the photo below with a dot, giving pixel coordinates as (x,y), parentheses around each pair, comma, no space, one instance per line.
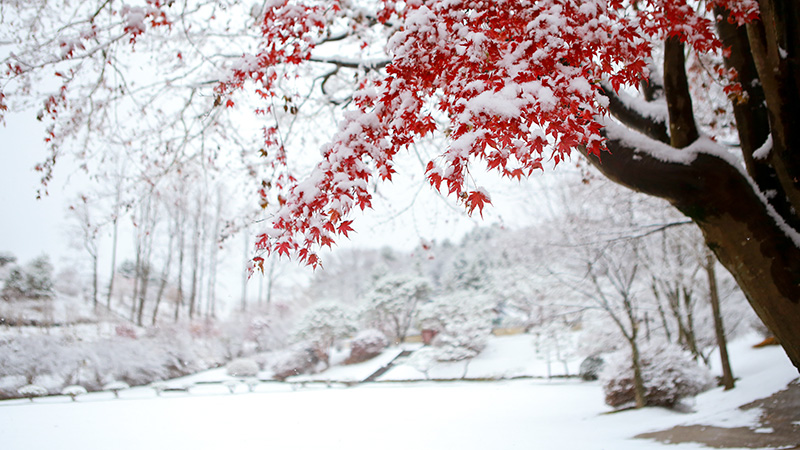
(391,304)
(39,278)
(462,321)
(322,325)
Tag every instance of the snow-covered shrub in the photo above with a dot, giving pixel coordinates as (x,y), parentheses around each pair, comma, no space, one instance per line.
(367,344)
(294,361)
(668,372)
(73,391)
(423,360)
(32,390)
(591,367)
(159,387)
(242,367)
(322,325)
(115,387)
(231,385)
(463,321)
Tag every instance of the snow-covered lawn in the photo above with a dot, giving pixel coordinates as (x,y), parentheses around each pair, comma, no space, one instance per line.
(519,414)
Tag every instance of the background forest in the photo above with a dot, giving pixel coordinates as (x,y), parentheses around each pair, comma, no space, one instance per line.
(600,269)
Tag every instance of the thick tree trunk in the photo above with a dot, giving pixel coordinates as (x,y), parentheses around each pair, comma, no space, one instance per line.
(749,219)
(739,227)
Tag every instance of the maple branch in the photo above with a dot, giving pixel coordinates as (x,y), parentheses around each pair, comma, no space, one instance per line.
(655,128)
(352,64)
(682,127)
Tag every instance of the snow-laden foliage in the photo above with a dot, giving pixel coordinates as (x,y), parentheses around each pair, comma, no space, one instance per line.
(463,322)
(392,302)
(669,374)
(366,344)
(242,368)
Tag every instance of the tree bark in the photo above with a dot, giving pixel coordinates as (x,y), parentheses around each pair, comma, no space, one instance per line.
(737,224)
(749,219)
(719,328)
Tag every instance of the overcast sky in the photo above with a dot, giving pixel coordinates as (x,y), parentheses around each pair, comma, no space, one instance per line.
(29,227)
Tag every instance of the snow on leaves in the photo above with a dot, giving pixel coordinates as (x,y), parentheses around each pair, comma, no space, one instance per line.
(516,81)
(511,83)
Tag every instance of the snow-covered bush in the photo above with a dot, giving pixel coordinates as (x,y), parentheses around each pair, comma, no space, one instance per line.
(366,345)
(242,367)
(463,322)
(294,361)
(322,325)
(73,391)
(32,390)
(668,372)
(115,387)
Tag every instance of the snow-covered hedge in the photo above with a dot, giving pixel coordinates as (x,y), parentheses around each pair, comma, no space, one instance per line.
(668,372)
(61,361)
(294,361)
(242,367)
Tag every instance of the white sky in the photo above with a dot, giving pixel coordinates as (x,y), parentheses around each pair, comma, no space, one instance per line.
(29,227)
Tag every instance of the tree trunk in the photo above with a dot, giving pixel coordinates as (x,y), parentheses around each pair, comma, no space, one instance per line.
(752,234)
(94,281)
(638,380)
(113,264)
(164,278)
(719,329)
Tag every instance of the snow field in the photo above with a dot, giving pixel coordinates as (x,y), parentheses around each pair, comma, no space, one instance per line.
(514,414)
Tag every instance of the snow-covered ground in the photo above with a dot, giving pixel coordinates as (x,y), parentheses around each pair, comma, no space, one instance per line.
(512,414)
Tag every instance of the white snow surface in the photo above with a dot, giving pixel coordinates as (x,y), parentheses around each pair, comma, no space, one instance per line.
(511,414)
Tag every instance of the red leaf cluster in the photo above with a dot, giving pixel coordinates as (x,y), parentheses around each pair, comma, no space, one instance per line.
(515,81)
